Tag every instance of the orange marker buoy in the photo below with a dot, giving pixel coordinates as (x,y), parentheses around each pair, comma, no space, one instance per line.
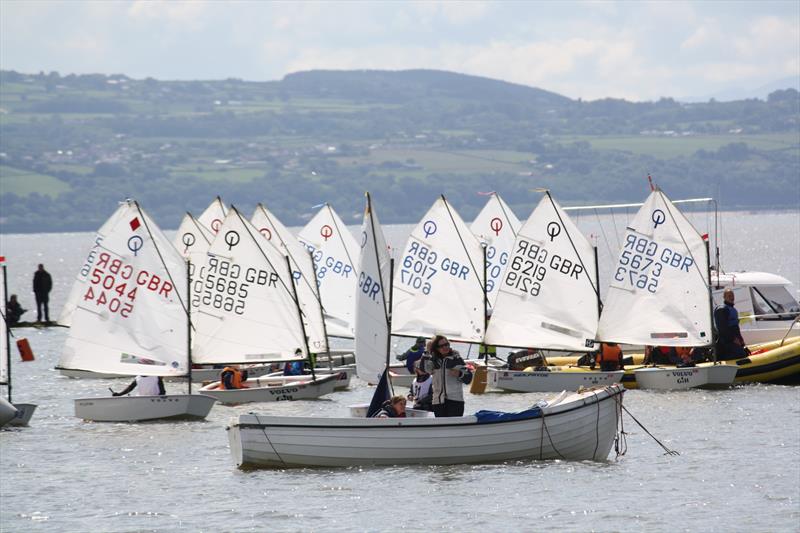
(25,352)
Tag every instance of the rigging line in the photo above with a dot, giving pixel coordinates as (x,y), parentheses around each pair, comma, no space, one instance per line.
(669,452)
(283,283)
(463,244)
(378,261)
(505,214)
(572,243)
(160,257)
(549,438)
(683,240)
(596,426)
(603,231)
(264,431)
(339,232)
(289,253)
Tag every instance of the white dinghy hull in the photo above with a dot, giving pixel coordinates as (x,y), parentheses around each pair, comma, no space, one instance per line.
(550,381)
(23,415)
(7,411)
(274,389)
(704,375)
(139,408)
(580,426)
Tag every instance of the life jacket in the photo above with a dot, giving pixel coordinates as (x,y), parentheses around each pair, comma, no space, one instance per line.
(236,378)
(609,354)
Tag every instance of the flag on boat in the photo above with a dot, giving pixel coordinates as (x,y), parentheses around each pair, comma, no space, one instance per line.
(382,394)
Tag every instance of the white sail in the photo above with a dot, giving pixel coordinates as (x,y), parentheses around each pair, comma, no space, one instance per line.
(247,312)
(547,296)
(79,286)
(3,330)
(438,281)
(659,292)
(302,271)
(131,318)
(335,253)
(213,216)
(497,226)
(372,299)
(192,242)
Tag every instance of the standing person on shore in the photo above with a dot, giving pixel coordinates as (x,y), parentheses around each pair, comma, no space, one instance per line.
(42,284)
(450,373)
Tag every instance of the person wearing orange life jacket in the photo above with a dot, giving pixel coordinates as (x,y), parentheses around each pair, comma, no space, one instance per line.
(233,378)
(609,357)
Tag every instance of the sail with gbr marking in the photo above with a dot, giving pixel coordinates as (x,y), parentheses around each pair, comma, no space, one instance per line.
(497,226)
(438,281)
(131,318)
(372,299)
(547,297)
(335,254)
(192,242)
(302,270)
(247,310)
(659,293)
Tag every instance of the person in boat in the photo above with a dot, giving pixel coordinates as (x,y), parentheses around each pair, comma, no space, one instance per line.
(730,344)
(42,284)
(394,407)
(422,390)
(413,354)
(232,378)
(294,368)
(668,355)
(15,310)
(146,386)
(450,374)
(609,357)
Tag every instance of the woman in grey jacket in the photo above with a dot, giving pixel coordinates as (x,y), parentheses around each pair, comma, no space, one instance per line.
(450,373)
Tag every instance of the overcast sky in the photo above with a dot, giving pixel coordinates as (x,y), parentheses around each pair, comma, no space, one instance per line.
(632,50)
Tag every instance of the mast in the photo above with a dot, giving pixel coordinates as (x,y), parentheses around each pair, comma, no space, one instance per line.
(300,318)
(315,288)
(711,306)
(189,321)
(8,333)
(485,303)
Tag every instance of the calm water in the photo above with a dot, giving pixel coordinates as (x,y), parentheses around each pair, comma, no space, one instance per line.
(739,468)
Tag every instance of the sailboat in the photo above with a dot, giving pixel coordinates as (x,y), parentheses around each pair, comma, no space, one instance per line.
(578,426)
(12,414)
(660,295)
(548,299)
(496,226)
(335,254)
(133,319)
(249,313)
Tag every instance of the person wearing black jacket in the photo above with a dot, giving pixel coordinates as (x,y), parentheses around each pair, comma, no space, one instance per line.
(450,374)
(42,284)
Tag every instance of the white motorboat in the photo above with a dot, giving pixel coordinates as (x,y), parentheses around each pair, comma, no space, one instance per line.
(703,375)
(574,426)
(12,414)
(274,389)
(766,304)
(132,319)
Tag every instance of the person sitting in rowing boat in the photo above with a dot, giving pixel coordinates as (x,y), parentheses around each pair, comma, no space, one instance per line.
(449,373)
(233,378)
(413,354)
(15,310)
(730,344)
(421,390)
(394,407)
(146,385)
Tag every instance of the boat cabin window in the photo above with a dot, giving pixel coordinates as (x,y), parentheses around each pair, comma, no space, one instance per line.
(774,302)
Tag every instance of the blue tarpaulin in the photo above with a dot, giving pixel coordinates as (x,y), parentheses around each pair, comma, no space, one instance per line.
(484,417)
